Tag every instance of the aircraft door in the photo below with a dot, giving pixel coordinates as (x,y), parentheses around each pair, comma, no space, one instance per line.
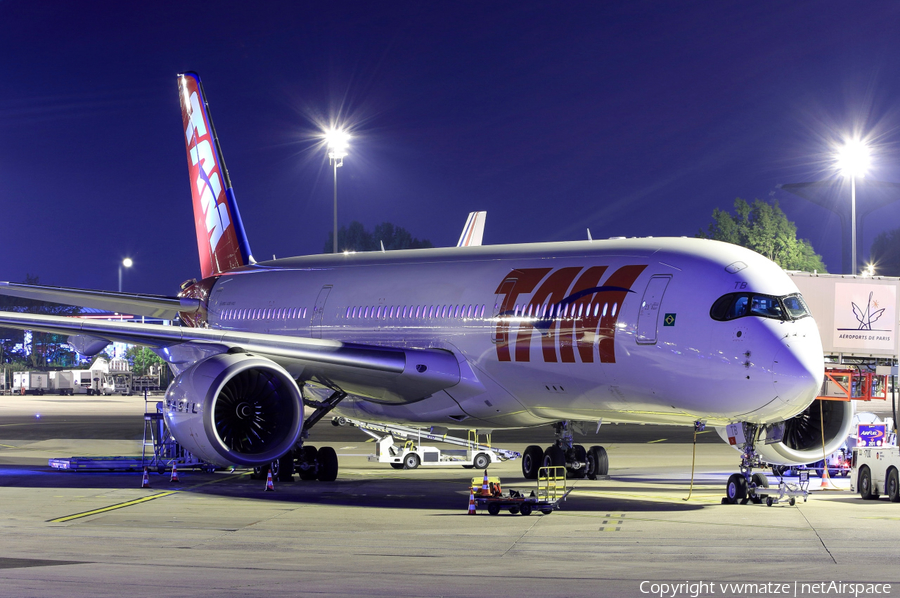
(500,329)
(319,312)
(648,316)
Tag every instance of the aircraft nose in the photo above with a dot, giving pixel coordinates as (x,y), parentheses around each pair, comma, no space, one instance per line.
(797,371)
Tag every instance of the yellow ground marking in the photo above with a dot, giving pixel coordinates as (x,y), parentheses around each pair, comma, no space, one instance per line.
(8,446)
(137,501)
(121,505)
(655,441)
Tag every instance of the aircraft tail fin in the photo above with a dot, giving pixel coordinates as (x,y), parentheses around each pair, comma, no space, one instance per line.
(473,231)
(221,241)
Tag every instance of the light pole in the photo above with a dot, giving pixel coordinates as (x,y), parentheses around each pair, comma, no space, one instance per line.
(126,263)
(852,161)
(337,141)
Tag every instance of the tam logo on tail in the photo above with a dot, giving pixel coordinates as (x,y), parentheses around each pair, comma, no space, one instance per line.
(221,241)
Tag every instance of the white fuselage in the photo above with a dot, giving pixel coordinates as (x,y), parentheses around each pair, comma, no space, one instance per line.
(618,330)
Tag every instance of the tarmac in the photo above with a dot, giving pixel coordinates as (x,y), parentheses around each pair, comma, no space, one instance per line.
(377,531)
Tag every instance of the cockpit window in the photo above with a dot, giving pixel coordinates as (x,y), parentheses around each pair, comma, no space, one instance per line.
(738,305)
(766,307)
(795,306)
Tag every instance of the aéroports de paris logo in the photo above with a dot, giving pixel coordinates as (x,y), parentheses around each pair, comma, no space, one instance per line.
(868,316)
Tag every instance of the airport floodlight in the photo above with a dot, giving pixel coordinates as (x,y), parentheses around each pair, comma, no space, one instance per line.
(126,263)
(337,141)
(852,160)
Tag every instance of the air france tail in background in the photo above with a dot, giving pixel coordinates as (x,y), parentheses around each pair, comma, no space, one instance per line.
(473,231)
(221,241)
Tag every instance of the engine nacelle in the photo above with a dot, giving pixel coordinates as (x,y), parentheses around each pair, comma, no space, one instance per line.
(235,409)
(802,442)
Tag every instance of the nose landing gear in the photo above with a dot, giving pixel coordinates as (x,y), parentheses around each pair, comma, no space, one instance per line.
(745,486)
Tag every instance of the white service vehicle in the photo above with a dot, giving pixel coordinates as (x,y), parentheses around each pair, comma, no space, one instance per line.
(30,383)
(63,382)
(875,470)
(477,454)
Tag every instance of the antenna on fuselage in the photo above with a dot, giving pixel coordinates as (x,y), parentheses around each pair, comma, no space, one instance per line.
(590,238)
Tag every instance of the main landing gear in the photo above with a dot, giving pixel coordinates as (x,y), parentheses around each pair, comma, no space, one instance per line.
(579,462)
(742,487)
(307,461)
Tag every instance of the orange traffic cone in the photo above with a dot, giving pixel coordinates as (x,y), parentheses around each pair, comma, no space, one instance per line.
(270,487)
(145,482)
(485,485)
(471,502)
(826,481)
(174,477)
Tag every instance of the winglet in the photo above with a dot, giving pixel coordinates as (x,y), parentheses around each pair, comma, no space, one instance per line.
(221,240)
(473,231)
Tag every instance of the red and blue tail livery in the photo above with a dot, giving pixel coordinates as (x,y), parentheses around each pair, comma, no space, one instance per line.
(221,240)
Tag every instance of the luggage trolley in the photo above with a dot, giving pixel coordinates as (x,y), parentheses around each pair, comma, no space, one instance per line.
(551,489)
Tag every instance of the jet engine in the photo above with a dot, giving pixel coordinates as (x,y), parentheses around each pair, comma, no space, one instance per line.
(803,434)
(235,409)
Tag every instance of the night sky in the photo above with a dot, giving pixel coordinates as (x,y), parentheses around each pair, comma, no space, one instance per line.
(628,118)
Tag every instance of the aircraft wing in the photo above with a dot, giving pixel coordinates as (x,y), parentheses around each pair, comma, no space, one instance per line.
(155,306)
(382,374)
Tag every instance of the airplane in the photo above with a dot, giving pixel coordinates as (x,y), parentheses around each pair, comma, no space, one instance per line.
(683,331)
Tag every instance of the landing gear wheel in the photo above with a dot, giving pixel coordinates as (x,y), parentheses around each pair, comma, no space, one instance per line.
(597,463)
(306,463)
(259,473)
(759,480)
(525,509)
(411,461)
(481,461)
(554,457)
(579,455)
(893,486)
(328,464)
(284,468)
(531,461)
(493,508)
(736,489)
(865,484)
